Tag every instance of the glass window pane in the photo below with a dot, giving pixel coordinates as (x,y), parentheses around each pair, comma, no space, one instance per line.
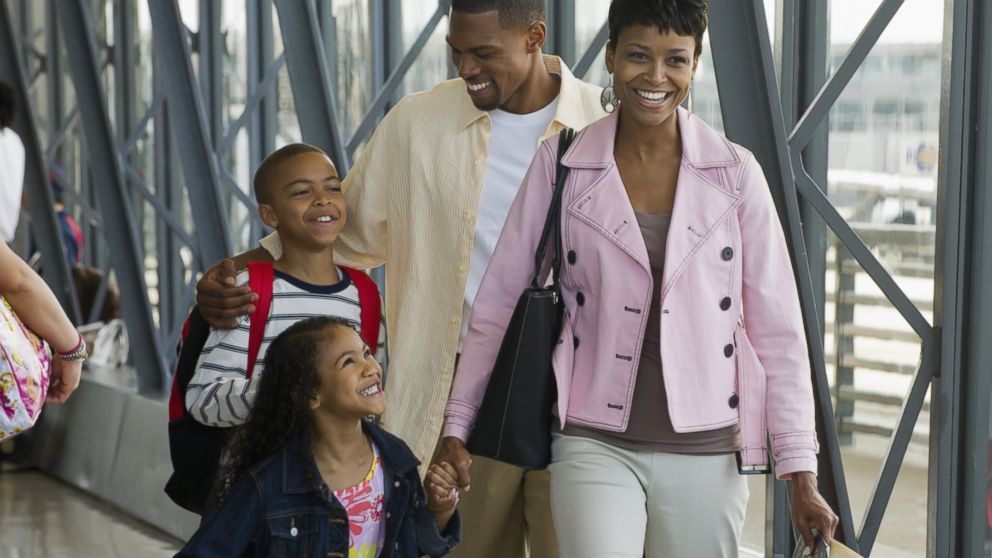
(882,177)
(433,65)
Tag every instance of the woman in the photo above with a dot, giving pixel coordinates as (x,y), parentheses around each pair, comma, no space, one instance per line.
(682,348)
(37,307)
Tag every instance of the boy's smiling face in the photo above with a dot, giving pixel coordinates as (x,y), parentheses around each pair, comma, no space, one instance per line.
(350,377)
(305,203)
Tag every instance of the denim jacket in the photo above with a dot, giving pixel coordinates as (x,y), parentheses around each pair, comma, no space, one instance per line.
(273,511)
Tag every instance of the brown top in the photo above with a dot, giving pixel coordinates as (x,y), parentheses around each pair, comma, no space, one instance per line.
(650,427)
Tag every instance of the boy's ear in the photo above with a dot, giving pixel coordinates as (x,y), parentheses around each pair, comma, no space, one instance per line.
(268,216)
(315,403)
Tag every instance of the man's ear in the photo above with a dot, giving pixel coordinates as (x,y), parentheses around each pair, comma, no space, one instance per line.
(267,215)
(315,403)
(537,34)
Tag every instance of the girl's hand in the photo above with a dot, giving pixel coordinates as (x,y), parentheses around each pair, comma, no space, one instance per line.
(441,488)
(64,380)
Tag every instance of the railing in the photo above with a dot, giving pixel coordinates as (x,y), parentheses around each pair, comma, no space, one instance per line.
(908,250)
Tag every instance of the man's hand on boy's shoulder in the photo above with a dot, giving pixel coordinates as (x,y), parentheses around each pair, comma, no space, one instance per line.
(219,298)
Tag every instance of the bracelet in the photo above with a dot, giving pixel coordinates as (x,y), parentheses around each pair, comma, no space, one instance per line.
(77,354)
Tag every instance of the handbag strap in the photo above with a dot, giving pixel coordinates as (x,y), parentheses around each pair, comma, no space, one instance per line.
(552,224)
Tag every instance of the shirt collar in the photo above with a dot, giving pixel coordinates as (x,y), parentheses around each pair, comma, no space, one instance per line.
(568,113)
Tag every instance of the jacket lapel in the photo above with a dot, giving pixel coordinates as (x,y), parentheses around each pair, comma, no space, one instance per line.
(702,203)
(604,204)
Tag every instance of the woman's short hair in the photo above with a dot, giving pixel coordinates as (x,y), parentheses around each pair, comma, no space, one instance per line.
(682,17)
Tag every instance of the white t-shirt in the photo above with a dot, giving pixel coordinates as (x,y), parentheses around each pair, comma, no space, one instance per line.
(512,146)
(11,182)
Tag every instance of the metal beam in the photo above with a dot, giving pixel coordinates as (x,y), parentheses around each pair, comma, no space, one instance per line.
(803,46)
(119,231)
(958,478)
(186,112)
(561,29)
(803,132)
(43,220)
(752,116)
(818,200)
(313,91)
(378,106)
(898,444)
(597,44)
(805,57)
(209,46)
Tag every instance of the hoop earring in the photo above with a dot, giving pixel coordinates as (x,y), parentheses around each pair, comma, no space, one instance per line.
(608,98)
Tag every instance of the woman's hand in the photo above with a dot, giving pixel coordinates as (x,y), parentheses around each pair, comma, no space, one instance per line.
(442,492)
(810,511)
(64,379)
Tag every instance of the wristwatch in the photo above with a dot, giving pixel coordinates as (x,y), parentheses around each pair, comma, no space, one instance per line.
(77,354)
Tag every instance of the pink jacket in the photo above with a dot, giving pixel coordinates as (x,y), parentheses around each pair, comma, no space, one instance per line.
(732,342)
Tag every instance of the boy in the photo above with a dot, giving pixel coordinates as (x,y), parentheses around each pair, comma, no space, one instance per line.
(299,195)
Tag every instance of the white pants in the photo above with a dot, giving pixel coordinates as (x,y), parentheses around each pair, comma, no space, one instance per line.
(611,502)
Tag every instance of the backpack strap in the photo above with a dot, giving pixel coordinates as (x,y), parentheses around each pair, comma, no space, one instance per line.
(368,298)
(260,278)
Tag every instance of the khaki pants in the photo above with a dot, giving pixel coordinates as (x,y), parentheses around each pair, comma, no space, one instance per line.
(611,502)
(507,512)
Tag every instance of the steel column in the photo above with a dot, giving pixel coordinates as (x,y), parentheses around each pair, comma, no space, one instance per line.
(186,111)
(957,521)
(104,161)
(802,46)
(43,221)
(313,91)
(753,117)
(561,29)
(376,110)
(806,53)
(209,45)
(264,123)
(386,18)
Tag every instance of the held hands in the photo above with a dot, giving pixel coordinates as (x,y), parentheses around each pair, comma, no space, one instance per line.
(442,492)
(810,511)
(446,477)
(454,454)
(64,380)
(220,301)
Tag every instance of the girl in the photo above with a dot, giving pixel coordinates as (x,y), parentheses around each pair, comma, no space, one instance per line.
(308,476)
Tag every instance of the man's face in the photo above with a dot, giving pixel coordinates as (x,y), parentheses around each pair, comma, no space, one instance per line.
(494,62)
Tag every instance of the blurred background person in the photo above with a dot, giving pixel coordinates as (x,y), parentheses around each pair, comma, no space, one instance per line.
(11,165)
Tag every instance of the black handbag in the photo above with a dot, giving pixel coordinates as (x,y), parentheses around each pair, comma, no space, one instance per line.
(514,421)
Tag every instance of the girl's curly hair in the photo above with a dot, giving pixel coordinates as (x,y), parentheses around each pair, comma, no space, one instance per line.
(281,412)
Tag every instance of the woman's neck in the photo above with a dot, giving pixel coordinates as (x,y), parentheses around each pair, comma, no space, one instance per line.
(647,143)
(341,450)
(313,266)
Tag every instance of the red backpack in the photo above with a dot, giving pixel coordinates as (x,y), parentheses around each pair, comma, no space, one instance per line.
(195,448)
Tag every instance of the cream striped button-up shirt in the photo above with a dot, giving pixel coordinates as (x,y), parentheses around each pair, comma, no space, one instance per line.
(412,200)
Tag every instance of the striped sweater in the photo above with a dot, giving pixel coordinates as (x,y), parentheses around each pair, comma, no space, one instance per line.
(220,394)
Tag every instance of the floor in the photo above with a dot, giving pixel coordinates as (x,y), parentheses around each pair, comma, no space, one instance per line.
(43,518)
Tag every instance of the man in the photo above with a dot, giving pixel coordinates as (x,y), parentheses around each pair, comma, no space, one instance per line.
(428,197)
